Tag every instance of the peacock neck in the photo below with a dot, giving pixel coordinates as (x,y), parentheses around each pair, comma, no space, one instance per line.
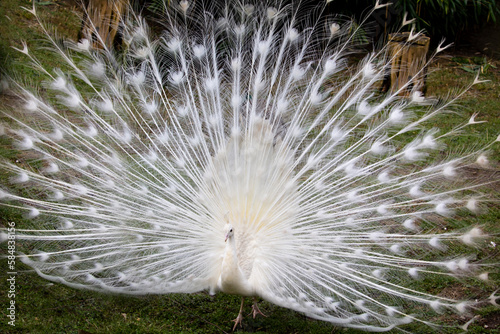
(231,278)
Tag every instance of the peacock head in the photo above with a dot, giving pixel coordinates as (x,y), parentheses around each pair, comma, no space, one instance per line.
(229,231)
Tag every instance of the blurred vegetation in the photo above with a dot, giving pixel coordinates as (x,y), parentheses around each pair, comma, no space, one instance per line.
(439,18)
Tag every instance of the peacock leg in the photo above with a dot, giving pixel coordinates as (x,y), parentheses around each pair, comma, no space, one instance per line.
(255,309)
(239,318)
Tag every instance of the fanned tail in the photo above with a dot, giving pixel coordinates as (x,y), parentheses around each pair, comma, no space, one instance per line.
(134,161)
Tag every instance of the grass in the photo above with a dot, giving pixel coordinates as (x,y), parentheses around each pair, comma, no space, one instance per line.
(44,307)
(18,25)
(47,308)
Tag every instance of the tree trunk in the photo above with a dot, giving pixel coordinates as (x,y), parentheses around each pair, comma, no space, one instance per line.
(407,62)
(102,21)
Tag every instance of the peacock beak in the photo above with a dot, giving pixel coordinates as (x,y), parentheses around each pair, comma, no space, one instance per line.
(227,236)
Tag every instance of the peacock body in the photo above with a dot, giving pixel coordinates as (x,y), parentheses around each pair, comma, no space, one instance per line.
(236,152)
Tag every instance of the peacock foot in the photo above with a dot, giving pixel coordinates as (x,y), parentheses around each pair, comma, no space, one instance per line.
(237,321)
(239,318)
(255,309)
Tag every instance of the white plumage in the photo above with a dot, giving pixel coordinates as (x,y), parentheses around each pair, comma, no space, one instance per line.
(236,153)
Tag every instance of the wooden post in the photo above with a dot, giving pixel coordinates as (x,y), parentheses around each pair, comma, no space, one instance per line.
(103,18)
(407,59)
